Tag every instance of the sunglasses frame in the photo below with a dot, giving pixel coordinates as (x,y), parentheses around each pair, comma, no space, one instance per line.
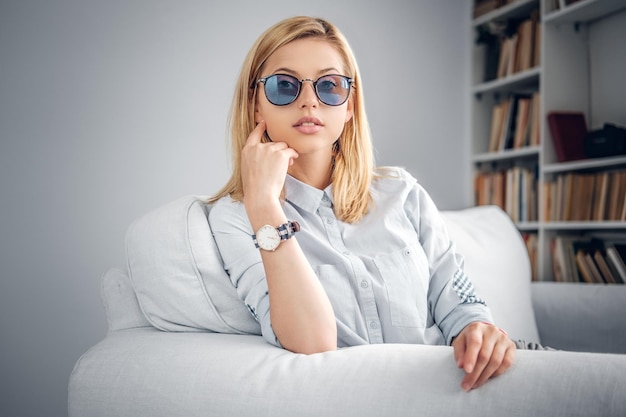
(349,80)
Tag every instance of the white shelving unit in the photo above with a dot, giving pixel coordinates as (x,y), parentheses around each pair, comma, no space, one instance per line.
(582,68)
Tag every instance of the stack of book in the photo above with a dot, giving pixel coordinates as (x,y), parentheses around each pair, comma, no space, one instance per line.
(577,196)
(593,261)
(513,190)
(520,51)
(511,46)
(515,123)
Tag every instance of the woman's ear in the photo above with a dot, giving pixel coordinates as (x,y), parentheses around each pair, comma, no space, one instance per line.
(350,109)
(258,118)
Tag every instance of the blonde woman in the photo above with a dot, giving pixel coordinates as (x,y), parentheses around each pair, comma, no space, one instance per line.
(324,249)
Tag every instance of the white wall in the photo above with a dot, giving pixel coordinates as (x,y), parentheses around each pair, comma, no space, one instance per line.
(607,64)
(111,108)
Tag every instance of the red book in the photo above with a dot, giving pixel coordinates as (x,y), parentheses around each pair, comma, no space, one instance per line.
(568,130)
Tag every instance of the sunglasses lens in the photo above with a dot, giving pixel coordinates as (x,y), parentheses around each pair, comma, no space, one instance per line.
(281,89)
(333,89)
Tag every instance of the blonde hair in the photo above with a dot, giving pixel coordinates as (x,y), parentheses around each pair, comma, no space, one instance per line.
(353,159)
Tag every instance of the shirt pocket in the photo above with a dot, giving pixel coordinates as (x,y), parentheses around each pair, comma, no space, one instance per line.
(405,274)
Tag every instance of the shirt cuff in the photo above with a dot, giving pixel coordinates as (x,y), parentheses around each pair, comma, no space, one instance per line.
(461,316)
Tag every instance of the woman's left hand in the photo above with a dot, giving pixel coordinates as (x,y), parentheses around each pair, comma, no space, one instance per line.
(483,351)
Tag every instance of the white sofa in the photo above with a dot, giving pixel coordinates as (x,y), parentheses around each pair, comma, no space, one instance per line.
(181,344)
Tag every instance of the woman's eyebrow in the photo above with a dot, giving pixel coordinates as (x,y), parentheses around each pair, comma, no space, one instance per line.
(287,70)
(330,69)
(297,75)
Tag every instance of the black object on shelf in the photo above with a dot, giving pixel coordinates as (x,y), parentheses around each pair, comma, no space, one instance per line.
(608,141)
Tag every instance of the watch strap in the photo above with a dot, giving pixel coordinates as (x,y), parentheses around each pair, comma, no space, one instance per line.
(286,230)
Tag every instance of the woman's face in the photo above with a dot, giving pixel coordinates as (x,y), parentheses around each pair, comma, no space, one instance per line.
(306,125)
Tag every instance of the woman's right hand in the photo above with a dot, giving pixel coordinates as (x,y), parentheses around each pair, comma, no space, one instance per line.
(264,167)
(301,314)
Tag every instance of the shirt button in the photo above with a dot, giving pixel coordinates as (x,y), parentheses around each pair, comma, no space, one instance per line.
(329,220)
(373,325)
(407,252)
(325,198)
(364,284)
(347,253)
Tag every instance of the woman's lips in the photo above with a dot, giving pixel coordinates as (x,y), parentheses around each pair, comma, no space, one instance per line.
(308,125)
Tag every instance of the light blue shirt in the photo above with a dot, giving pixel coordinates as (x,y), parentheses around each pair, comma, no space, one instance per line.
(393,277)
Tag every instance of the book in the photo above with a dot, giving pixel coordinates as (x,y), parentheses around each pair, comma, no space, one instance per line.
(507,134)
(559,194)
(564,264)
(533,194)
(568,130)
(602,187)
(520,137)
(583,267)
(588,196)
(568,194)
(513,41)
(616,260)
(536,38)
(583,248)
(496,188)
(524,52)
(558,260)
(505,49)
(508,54)
(547,201)
(575,207)
(619,213)
(535,118)
(616,195)
(596,275)
(603,266)
(497,118)
(582,197)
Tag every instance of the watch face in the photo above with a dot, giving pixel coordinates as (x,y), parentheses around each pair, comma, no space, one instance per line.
(268,238)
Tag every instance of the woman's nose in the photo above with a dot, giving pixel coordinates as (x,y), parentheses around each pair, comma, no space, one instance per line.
(308,97)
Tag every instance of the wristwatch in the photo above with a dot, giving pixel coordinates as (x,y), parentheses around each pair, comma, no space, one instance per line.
(269,237)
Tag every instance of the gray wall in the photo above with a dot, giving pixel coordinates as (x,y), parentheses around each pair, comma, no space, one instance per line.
(111,108)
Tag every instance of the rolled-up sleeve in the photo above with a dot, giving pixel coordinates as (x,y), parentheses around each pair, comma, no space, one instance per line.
(242,261)
(452,301)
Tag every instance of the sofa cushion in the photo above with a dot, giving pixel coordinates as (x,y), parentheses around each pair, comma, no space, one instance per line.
(496,260)
(177,274)
(120,302)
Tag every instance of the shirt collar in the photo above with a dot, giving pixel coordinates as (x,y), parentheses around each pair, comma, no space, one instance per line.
(306,197)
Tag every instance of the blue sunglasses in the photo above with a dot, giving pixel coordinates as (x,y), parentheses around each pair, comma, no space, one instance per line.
(283,89)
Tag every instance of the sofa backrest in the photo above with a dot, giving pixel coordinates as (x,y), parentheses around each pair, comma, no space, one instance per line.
(496,260)
(178,279)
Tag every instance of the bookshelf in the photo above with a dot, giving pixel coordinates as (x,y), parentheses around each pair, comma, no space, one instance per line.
(578,66)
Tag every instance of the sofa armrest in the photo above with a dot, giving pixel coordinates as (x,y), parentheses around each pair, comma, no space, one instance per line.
(581,317)
(146,372)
